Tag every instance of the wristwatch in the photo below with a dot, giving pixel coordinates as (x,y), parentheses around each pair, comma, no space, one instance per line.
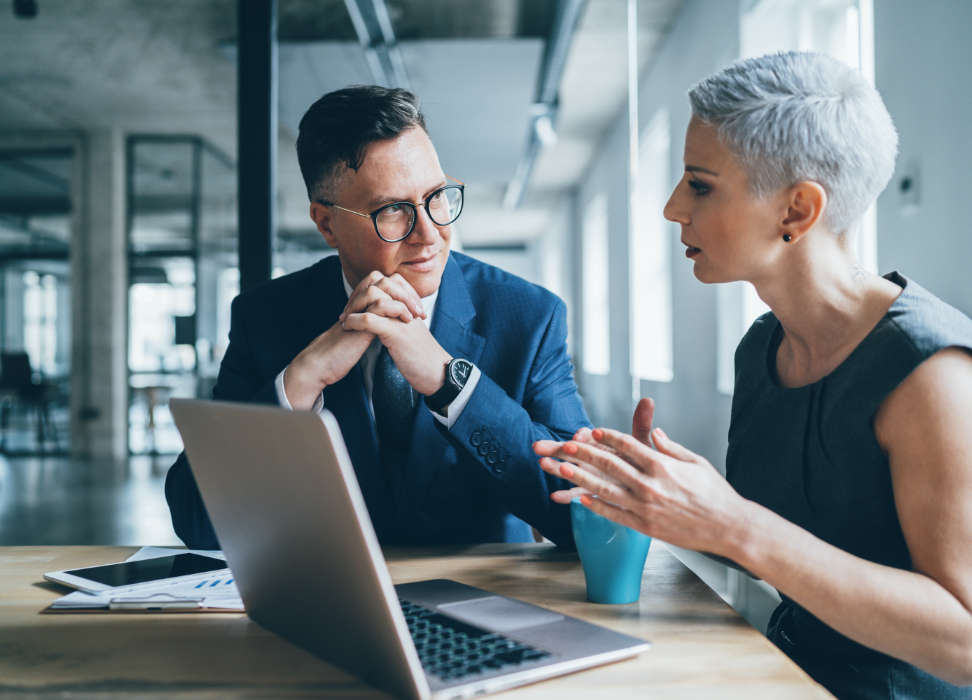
(458,371)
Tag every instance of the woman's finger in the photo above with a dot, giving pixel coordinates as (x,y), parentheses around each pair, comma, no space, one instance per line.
(551,466)
(565,497)
(634,452)
(671,448)
(615,513)
(603,461)
(582,435)
(587,478)
(546,448)
(641,421)
(603,457)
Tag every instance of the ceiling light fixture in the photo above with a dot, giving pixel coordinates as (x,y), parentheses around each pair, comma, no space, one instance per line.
(543,112)
(545,130)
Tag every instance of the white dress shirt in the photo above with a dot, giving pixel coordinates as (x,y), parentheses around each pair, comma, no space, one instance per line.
(367,365)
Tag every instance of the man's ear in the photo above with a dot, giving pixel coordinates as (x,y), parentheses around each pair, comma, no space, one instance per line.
(807,202)
(321,216)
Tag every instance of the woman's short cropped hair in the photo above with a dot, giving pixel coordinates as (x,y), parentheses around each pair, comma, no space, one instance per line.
(336,131)
(793,117)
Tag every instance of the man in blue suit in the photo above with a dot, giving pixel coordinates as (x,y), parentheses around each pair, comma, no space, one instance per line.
(441,371)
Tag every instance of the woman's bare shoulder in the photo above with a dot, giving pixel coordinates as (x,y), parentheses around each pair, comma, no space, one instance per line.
(935,390)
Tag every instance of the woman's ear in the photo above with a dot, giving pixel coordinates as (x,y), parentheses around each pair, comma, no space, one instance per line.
(321,216)
(807,202)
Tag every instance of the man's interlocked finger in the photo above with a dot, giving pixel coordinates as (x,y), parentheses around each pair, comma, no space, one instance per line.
(398,288)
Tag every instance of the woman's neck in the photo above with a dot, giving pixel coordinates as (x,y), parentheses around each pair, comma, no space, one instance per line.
(826,303)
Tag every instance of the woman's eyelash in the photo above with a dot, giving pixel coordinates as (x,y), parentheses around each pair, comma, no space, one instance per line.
(700,187)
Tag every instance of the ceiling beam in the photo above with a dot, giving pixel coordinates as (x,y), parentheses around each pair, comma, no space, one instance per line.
(543,113)
(373,25)
(61,184)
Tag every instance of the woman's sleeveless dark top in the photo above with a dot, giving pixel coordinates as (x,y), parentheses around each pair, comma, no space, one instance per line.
(810,455)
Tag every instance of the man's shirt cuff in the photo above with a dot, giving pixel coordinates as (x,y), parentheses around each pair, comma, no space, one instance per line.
(454,409)
(282,395)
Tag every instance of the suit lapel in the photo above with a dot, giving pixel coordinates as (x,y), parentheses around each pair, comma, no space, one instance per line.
(454,312)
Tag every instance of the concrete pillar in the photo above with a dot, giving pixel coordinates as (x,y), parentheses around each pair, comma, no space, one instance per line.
(12,295)
(99,274)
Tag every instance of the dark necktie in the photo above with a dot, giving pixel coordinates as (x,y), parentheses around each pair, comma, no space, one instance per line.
(394,404)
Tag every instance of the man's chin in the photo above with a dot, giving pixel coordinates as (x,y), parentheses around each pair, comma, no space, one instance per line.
(424,282)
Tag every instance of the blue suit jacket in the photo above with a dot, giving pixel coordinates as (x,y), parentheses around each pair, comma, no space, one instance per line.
(476,482)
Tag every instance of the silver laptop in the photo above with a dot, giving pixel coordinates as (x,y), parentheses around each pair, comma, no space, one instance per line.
(284,501)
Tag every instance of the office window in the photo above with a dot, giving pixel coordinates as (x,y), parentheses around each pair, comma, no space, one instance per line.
(737,306)
(597,341)
(40,321)
(158,296)
(843,29)
(229,288)
(650,257)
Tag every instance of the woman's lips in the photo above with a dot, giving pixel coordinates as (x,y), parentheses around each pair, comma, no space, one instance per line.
(691,252)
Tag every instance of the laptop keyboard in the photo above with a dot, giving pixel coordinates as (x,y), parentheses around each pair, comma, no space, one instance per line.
(451,649)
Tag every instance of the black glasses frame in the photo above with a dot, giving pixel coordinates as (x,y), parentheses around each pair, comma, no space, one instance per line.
(414,205)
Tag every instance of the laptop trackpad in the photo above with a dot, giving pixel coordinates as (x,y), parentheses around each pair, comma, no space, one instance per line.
(499,614)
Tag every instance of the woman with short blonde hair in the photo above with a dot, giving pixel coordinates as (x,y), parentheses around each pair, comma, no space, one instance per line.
(849,470)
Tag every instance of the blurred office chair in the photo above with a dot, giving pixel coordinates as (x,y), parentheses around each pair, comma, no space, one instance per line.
(17,383)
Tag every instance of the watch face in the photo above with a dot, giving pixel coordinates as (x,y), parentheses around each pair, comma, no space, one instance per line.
(461,370)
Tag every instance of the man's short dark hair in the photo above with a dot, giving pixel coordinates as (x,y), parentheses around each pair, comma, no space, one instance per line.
(336,131)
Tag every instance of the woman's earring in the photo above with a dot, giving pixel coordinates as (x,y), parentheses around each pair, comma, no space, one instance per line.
(787,238)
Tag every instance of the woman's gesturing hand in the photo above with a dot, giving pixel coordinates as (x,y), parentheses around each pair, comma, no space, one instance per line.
(640,429)
(670,493)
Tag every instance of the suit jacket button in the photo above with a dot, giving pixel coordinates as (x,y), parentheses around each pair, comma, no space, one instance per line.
(483,448)
(476,439)
(492,457)
(500,467)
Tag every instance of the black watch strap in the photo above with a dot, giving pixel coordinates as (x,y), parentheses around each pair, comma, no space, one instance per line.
(458,371)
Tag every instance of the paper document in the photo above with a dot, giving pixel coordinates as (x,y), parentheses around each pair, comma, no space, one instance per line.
(216,592)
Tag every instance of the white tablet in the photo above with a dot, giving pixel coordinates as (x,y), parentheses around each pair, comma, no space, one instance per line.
(145,572)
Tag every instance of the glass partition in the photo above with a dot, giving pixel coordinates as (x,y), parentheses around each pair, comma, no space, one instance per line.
(35,300)
(182,244)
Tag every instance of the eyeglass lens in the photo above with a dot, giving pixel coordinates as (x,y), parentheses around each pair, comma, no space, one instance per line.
(395,221)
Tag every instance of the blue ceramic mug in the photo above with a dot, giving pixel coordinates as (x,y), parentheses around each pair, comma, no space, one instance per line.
(613,556)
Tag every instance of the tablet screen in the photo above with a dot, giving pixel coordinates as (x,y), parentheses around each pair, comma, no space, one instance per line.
(130,573)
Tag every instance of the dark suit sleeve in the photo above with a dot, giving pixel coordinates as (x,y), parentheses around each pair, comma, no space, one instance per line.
(498,433)
(239,380)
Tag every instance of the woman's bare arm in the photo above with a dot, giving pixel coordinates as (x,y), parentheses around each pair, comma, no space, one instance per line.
(923,616)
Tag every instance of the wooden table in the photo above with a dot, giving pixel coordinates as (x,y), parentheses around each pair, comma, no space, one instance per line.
(702,647)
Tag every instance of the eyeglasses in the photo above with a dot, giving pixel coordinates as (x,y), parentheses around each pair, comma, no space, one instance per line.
(394,222)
